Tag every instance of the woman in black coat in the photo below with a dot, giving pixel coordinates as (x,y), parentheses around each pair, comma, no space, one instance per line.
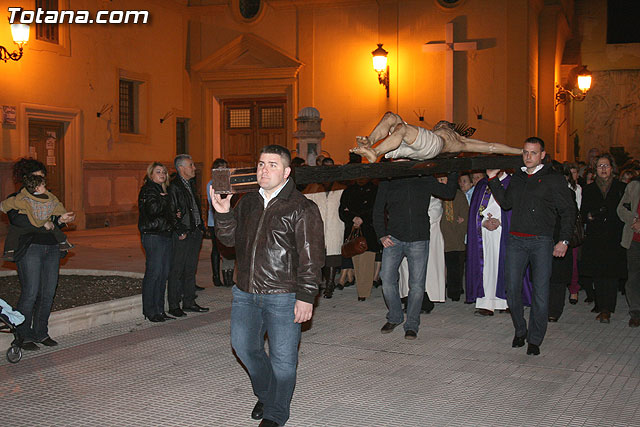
(603,258)
(155,224)
(356,210)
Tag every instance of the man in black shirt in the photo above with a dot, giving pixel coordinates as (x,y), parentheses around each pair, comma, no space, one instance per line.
(405,233)
(536,195)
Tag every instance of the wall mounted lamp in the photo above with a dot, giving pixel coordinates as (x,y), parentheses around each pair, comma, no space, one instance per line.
(20,34)
(106,108)
(166,116)
(563,95)
(381,67)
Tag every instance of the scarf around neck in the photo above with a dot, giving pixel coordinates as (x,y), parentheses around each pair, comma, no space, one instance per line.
(604,185)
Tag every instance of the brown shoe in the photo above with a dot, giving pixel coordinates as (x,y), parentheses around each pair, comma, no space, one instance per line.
(388,327)
(410,335)
(634,322)
(605,317)
(483,312)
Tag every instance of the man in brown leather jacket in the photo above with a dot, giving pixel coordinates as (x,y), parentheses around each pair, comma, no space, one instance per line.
(279,241)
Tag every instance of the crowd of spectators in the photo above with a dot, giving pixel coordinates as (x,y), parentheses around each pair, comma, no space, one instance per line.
(464,230)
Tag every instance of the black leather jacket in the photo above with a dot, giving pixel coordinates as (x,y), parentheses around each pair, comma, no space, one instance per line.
(155,216)
(181,202)
(279,249)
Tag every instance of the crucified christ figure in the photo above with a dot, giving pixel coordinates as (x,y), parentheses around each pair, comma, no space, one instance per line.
(402,140)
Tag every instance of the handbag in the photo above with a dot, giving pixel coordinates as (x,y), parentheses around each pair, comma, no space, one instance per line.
(355,244)
(577,237)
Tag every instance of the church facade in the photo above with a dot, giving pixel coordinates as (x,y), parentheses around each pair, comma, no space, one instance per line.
(98,102)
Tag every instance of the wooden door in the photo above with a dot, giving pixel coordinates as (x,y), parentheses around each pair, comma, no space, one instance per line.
(248,125)
(46,144)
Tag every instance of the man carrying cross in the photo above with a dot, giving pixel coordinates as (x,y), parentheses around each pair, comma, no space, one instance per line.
(402,140)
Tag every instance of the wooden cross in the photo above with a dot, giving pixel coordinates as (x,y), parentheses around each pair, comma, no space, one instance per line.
(227,181)
(449,46)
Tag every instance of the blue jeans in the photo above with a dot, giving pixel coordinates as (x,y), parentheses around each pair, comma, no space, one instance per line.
(157,249)
(38,273)
(537,250)
(417,254)
(273,376)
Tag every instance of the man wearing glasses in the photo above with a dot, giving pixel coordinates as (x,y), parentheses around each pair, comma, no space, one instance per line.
(537,196)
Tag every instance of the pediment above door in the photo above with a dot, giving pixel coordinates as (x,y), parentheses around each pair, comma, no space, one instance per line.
(248,57)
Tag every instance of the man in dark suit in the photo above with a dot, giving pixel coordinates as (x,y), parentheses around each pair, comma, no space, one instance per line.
(187,239)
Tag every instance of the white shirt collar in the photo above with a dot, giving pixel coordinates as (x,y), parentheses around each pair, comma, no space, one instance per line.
(274,194)
(524,169)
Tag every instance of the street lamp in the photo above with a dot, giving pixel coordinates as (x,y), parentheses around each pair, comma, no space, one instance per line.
(381,67)
(20,35)
(563,95)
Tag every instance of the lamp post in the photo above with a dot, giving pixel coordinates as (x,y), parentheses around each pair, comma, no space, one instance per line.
(20,35)
(381,67)
(563,95)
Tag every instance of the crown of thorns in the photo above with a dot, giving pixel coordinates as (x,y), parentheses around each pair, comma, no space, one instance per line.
(462,129)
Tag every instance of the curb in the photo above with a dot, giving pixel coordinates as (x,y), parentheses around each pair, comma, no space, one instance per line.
(76,319)
(84,272)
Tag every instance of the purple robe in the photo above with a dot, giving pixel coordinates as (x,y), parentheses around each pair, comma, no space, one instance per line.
(475,258)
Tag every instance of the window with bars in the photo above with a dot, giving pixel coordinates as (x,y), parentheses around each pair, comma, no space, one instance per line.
(47,32)
(182,146)
(127,103)
(239,118)
(272,117)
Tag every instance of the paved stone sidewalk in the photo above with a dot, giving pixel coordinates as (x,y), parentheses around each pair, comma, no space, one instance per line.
(461,371)
(115,249)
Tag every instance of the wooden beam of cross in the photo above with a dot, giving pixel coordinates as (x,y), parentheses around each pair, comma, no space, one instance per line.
(226,181)
(449,46)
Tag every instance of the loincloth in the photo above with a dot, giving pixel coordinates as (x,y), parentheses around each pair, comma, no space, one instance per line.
(426,146)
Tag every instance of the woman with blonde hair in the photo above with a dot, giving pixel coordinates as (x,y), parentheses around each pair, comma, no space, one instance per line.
(155,223)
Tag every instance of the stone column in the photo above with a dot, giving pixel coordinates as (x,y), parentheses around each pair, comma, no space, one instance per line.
(309,135)
(553,33)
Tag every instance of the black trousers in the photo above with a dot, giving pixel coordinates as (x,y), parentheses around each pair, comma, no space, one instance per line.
(215,259)
(454,261)
(557,293)
(586,284)
(606,293)
(182,275)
